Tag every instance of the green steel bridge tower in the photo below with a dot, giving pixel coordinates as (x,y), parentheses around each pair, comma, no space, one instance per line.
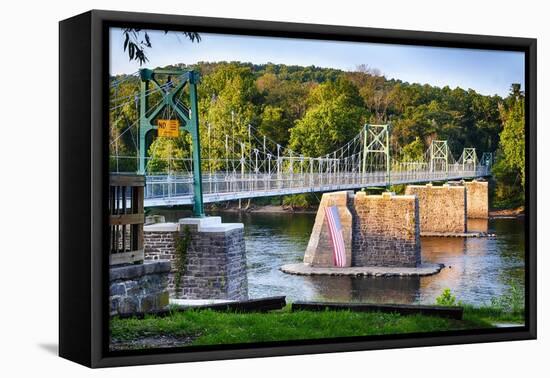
(188,117)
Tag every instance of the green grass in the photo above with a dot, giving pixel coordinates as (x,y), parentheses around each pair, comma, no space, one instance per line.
(208,327)
(492,315)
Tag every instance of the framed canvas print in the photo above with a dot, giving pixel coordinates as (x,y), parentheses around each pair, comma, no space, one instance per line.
(234,188)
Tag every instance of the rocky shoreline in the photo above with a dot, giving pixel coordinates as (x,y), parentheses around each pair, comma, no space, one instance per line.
(518,212)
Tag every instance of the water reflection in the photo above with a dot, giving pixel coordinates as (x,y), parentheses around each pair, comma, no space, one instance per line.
(478,225)
(477,269)
(366,289)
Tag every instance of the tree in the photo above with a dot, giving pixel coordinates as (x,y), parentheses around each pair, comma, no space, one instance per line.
(334,116)
(375,91)
(274,125)
(169,155)
(228,105)
(284,103)
(413,151)
(509,169)
(512,137)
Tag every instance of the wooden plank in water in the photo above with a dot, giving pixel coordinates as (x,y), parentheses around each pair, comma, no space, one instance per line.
(440,311)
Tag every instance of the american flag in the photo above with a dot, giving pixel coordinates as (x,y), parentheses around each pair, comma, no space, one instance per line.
(336,236)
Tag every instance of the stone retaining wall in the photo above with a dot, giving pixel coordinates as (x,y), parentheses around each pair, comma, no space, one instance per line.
(442,208)
(215,261)
(139,288)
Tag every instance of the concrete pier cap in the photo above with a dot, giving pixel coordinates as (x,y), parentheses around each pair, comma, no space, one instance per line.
(206,224)
(162,227)
(210,224)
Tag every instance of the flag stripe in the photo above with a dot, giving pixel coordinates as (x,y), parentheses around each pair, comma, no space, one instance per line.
(335,230)
(332,233)
(338,235)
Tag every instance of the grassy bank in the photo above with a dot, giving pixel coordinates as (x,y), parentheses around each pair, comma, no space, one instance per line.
(206,327)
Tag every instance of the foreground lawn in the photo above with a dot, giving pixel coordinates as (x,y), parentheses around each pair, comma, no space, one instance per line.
(493,315)
(206,327)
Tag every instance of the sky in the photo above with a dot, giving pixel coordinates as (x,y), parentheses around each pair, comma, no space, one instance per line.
(486,71)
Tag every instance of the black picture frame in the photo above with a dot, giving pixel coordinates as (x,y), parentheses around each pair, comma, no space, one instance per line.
(83,167)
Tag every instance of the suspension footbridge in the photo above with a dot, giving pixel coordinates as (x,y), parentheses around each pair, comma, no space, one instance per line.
(250,165)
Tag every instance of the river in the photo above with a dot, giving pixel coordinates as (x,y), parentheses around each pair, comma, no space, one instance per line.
(476,269)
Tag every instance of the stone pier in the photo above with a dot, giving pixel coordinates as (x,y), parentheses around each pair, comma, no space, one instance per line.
(442,209)
(379,230)
(477,197)
(386,230)
(319,248)
(215,261)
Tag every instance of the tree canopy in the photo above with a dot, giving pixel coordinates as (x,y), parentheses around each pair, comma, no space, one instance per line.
(509,169)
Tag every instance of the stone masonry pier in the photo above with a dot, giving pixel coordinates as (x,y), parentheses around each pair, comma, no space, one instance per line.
(378,231)
(319,248)
(385,229)
(477,198)
(442,209)
(215,261)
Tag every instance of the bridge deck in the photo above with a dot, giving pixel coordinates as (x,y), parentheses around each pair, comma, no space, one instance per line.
(178,190)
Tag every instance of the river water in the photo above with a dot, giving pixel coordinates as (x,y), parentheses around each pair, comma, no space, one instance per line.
(476,269)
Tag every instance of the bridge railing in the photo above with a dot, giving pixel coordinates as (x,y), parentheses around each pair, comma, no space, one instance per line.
(181,185)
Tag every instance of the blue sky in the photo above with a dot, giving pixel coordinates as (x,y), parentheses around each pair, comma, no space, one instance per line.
(486,71)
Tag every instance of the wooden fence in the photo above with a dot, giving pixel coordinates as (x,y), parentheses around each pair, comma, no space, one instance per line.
(126,219)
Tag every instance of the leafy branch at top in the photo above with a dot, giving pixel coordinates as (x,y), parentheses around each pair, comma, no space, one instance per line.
(136,41)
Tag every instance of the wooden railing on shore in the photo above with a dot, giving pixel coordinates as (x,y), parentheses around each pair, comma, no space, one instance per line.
(126,219)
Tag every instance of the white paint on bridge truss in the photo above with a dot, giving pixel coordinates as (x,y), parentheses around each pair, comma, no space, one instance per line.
(170,190)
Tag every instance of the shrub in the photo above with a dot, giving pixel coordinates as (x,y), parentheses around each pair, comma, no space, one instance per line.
(446,298)
(296,201)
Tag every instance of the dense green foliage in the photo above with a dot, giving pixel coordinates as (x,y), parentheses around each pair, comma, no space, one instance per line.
(315,110)
(334,115)
(298,201)
(509,170)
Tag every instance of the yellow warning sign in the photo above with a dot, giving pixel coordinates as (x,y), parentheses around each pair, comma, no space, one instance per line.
(168,128)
